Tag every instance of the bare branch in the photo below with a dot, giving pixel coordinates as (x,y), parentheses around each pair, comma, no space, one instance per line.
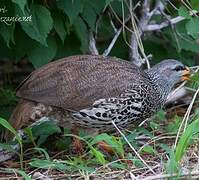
(154,27)
(92,44)
(108,50)
(132,148)
(136,43)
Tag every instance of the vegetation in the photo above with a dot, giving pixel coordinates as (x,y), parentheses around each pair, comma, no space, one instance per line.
(33,33)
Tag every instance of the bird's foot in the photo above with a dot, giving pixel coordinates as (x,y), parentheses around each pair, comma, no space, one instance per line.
(39,111)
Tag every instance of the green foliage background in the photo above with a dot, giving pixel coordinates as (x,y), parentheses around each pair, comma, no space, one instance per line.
(60,28)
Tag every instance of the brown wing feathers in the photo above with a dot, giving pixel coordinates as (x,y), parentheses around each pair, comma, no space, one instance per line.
(76,82)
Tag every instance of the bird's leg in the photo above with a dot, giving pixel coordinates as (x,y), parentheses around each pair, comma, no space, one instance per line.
(77,146)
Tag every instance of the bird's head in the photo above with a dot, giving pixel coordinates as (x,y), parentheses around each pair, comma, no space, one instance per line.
(168,73)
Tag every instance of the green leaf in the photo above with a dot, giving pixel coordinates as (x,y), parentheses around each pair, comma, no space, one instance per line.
(184,40)
(172,165)
(89,16)
(185,139)
(43,151)
(182,11)
(114,142)
(23,44)
(195,4)
(192,27)
(22,173)
(7,33)
(71,8)
(7,125)
(20,3)
(45,129)
(40,25)
(40,55)
(108,2)
(59,25)
(70,47)
(82,33)
(98,155)
(149,149)
(101,4)
(194,83)
(46,164)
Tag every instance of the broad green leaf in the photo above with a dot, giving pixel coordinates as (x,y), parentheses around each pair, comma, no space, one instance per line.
(182,11)
(71,8)
(192,27)
(70,47)
(7,33)
(45,129)
(22,44)
(59,25)
(101,4)
(82,33)
(20,3)
(195,4)
(40,55)
(40,25)
(184,41)
(89,16)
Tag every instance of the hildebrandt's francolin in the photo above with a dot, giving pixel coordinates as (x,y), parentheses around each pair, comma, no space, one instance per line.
(90,92)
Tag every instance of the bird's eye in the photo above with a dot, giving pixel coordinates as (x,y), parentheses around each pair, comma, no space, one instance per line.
(179,68)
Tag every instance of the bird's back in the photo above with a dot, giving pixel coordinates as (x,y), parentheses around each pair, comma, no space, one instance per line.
(76,82)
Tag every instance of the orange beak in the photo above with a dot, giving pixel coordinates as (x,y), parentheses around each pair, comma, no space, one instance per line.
(186,74)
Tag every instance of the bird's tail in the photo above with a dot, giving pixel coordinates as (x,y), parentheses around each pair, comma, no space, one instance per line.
(19,118)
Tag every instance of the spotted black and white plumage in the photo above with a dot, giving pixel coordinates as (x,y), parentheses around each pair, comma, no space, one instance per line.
(131,106)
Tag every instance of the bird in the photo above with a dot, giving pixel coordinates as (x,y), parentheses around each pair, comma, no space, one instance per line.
(92,91)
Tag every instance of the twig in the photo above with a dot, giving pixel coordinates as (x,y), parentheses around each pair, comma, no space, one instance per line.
(108,50)
(155,27)
(138,31)
(137,154)
(92,44)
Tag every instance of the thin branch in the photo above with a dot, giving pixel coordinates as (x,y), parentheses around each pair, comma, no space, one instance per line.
(136,43)
(155,27)
(92,44)
(137,154)
(108,50)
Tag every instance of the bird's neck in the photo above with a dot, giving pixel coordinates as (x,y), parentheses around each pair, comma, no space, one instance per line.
(161,84)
